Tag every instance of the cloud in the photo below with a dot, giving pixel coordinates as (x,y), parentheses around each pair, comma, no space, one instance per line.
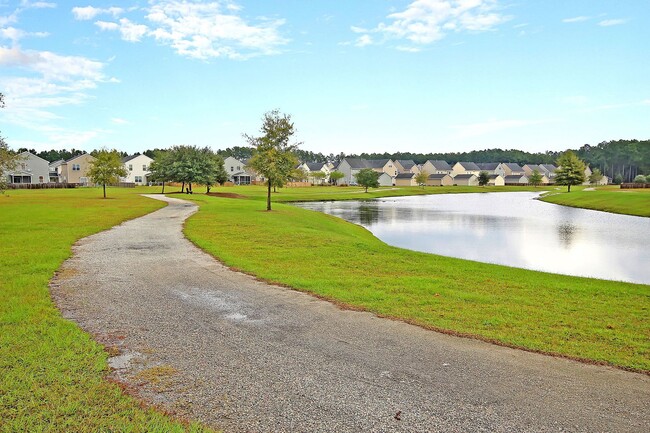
(609,23)
(120,121)
(89,12)
(578,19)
(427,21)
(15,34)
(363,41)
(37,5)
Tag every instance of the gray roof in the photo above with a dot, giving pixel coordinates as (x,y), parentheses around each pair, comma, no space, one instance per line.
(513,177)
(437,176)
(56,163)
(406,163)
(405,176)
(494,176)
(470,166)
(513,166)
(440,165)
(129,158)
(549,167)
(377,163)
(315,166)
(488,165)
(464,176)
(357,163)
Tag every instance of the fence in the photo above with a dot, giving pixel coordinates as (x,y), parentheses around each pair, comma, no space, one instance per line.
(634,185)
(41,185)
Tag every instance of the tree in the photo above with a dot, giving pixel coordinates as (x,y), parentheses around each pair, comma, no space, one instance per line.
(106,168)
(618,179)
(335,176)
(189,165)
(318,177)
(421,178)
(298,175)
(571,170)
(368,178)
(595,177)
(639,179)
(8,159)
(483,178)
(535,179)
(647,179)
(160,170)
(273,154)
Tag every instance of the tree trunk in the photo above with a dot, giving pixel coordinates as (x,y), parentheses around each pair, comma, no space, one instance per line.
(104,185)
(207,187)
(163,189)
(568,188)
(268,196)
(189,188)
(183,187)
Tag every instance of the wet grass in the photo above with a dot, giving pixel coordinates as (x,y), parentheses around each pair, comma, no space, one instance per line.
(51,372)
(609,199)
(589,319)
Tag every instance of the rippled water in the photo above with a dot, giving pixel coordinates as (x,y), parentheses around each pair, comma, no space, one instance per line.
(508,228)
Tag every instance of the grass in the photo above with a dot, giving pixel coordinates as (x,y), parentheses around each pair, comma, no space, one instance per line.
(600,321)
(51,372)
(609,199)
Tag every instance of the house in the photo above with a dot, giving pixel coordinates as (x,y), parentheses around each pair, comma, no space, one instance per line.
(496,180)
(466,179)
(236,170)
(383,166)
(75,169)
(30,169)
(516,179)
(386,179)
(137,168)
(465,168)
(54,171)
(312,167)
(509,169)
(488,167)
(406,166)
(351,166)
(436,167)
(440,179)
(530,168)
(406,179)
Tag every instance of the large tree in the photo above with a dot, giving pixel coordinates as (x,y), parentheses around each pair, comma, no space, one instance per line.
(188,165)
(106,168)
(8,159)
(483,178)
(368,178)
(273,153)
(571,170)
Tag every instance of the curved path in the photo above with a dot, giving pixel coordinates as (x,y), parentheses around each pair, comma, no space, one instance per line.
(218,346)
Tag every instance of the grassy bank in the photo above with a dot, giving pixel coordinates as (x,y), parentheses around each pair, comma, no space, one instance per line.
(583,318)
(51,372)
(611,199)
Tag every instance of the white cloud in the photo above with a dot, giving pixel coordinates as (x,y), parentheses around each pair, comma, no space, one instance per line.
(90,12)
(132,32)
(37,5)
(363,41)
(577,19)
(427,21)
(120,121)
(105,25)
(15,34)
(609,23)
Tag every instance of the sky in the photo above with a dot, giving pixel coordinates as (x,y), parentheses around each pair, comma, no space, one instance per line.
(355,75)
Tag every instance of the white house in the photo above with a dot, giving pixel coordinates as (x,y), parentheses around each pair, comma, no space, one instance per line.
(312,167)
(236,171)
(137,168)
(30,169)
(385,179)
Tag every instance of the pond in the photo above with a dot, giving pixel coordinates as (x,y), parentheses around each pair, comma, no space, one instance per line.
(508,228)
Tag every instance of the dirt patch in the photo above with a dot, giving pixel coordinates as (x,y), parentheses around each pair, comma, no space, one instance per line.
(225,195)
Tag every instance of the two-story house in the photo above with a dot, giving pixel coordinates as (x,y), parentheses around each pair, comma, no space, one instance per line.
(137,168)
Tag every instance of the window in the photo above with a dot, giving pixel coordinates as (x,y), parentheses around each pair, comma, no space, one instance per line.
(144,167)
(76,167)
(138,179)
(130,167)
(40,179)
(238,167)
(232,168)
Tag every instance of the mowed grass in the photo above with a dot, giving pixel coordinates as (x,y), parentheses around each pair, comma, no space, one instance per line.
(589,319)
(51,372)
(609,199)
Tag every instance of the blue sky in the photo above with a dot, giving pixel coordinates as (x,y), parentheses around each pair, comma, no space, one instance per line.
(357,76)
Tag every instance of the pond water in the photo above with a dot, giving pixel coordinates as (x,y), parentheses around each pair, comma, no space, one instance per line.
(508,228)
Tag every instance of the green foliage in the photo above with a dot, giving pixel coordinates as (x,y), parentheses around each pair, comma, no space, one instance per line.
(639,179)
(618,179)
(647,178)
(298,175)
(483,178)
(335,176)
(535,178)
(623,201)
(571,170)
(273,154)
(421,178)
(581,317)
(8,158)
(189,165)
(52,374)
(368,178)
(595,176)
(318,176)
(106,168)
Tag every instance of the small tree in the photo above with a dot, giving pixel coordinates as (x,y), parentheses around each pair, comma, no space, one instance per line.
(483,178)
(299,175)
(421,178)
(618,179)
(160,170)
(273,155)
(335,176)
(647,178)
(368,178)
(639,179)
(571,170)
(106,168)
(535,179)
(595,177)
(8,159)
(318,177)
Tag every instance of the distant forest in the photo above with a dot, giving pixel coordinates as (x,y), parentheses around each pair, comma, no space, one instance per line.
(620,159)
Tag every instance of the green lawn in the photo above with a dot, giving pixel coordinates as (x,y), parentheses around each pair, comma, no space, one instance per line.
(582,318)
(610,199)
(51,372)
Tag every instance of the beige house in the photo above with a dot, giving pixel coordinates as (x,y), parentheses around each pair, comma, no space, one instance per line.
(496,180)
(465,168)
(406,179)
(406,166)
(488,167)
(437,167)
(516,179)
(530,168)
(509,169)
(440,179)
(351,166)
(466,180)
(75,169)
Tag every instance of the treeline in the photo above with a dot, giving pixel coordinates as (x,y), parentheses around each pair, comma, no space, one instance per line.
(622,160)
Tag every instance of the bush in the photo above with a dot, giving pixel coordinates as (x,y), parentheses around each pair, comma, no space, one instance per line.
(647,178)
(639,179)
(618,179)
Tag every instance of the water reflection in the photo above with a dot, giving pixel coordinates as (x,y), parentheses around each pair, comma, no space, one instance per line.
(508,228)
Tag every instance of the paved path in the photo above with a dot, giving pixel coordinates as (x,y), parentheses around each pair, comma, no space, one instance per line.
(218,346)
